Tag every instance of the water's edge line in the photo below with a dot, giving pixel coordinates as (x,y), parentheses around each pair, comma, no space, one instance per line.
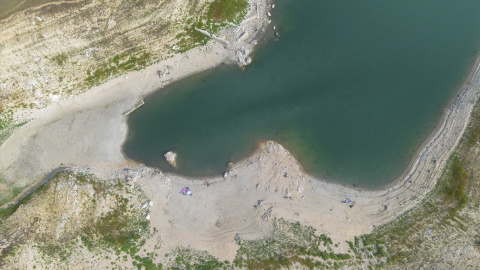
(35,185)
(454,115)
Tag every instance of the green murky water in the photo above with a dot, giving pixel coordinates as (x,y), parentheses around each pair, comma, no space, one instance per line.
(352,89)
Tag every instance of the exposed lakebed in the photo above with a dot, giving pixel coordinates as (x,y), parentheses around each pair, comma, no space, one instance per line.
(351,89)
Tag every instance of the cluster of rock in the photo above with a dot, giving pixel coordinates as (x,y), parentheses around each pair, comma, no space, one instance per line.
(244,58)
(242,38)
(145,205)
(246,35)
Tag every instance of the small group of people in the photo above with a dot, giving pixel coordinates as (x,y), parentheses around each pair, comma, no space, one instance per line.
(345,201)
(186,191)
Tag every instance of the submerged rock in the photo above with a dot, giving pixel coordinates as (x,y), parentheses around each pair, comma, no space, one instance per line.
(171,158)
(248,60)
(243,58)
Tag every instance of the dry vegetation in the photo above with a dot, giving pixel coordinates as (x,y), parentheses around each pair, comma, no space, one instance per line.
(75,217)
(440,233)
(54,50)
(59,49)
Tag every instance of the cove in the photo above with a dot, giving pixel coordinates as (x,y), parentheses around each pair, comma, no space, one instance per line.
(351,89)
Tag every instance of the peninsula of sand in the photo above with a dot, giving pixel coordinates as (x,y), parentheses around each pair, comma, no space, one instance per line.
(86,133)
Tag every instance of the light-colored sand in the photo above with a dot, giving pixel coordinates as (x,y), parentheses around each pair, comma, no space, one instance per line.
(89,131)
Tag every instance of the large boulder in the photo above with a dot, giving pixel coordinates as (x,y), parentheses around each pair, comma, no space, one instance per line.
(171,158)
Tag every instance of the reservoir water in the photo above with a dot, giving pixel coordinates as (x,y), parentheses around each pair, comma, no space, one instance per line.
(351,89)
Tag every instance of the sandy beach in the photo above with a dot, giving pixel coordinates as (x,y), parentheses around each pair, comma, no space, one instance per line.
(87,132)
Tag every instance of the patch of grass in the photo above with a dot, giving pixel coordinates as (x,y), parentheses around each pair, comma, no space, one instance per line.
(122,229)
(60,59)
(9,191)
(289,244)
(6,212)
(5,118)
(6,124)
(472,135)
(192,259)
(118,229)
(227,10)
(325,240)
(190,39)
(216,17)
(146,263)
(117,65)
(456,184)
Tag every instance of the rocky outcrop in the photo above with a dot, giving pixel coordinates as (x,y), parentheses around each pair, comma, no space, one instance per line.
(171,158)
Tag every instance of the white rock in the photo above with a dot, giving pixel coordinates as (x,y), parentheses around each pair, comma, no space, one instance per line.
(147,217)
(40,19)
(269,14)
(150,203)
(54,97)
(111,23)
(171,158)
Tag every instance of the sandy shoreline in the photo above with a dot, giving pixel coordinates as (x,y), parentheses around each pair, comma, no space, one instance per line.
(92,127)
(35,150)
(471,81)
